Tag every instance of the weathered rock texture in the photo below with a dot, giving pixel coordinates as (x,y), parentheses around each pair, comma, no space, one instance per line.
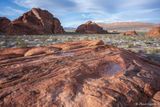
(130,33)
(90,28)
(36,21)
(85,74)
(154,32)
(4,24)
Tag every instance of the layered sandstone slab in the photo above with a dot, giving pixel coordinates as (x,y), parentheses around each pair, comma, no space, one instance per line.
(90,74)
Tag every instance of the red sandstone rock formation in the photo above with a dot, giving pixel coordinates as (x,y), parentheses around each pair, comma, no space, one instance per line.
(41,50)
(77,45)
(36,21)
(90,28)
(154,32)
(9,53)
(130,33)
(90,74)
(4,23)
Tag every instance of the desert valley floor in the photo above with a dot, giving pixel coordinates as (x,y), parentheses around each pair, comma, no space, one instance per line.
(150,47)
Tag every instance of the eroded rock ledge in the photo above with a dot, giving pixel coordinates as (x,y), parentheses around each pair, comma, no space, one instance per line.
(77,74)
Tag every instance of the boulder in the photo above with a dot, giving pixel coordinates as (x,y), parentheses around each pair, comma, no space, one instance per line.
(35,22)
(4,23)
(80,77)
(90,28)
(9,51)
(155,101)
(41,50)
(154,32)
(157,96)
(130,33)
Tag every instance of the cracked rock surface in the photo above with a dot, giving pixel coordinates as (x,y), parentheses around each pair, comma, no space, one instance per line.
(78,74)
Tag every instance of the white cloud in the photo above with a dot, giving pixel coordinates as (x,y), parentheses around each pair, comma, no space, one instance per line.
(74,12)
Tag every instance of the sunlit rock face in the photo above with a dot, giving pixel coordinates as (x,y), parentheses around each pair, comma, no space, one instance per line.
(34,22)
(90,28)
(154,32)
(77,74)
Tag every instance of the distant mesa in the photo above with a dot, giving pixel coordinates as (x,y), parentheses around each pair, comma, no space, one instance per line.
(130,33)
(36,21)
(90,28)
(127,26)
(154,32)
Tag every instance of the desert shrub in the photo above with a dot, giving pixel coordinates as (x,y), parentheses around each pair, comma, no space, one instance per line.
(70,39)
(21,43)
(155,51)
(54,39)
(130,45)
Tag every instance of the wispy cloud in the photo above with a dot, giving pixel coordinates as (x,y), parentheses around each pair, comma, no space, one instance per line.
(74,12)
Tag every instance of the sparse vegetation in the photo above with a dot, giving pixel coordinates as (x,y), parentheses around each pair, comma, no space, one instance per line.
(20,42)
(135,43)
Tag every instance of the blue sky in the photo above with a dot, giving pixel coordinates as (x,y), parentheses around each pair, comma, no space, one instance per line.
(74,12)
